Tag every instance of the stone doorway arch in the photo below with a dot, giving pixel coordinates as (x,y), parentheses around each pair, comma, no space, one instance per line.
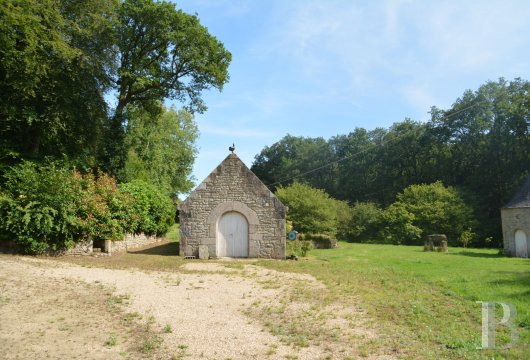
(217,214)
(232,235)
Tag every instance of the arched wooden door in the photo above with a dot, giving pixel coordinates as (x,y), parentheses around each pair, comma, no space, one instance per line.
(232,235)
(521,245)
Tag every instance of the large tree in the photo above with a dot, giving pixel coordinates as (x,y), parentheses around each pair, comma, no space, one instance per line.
(427,209)
(54,60)
(295,158)
(60,60)
(161,149)
(487,137)
(163,53)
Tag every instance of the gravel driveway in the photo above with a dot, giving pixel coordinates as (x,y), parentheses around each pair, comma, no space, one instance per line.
(204,311)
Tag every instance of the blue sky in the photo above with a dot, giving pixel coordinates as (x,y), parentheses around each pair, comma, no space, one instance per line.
(322,68)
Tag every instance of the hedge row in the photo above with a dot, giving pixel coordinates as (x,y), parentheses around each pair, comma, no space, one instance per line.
(48,207)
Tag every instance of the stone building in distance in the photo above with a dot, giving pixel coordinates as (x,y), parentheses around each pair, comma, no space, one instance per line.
(516,223)
(234,214)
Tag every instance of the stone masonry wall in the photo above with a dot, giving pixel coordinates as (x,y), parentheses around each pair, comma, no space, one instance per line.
(84,247)
(233,187)
(514,219)
(132,241)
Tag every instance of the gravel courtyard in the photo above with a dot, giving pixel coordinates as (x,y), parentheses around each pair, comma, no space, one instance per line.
(205,310)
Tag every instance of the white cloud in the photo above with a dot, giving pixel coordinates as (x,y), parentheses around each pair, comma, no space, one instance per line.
(346,49)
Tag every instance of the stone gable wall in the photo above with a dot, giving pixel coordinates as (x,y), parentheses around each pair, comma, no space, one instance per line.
(514,219)
(233,187)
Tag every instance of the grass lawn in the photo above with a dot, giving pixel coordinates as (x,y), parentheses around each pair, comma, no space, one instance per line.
(425,302)
(422,303)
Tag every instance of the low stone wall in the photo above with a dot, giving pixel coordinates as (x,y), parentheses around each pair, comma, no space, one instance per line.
(85,247)
(133,241)
(129,242)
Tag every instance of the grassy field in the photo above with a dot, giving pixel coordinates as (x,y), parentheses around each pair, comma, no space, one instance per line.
(423,304)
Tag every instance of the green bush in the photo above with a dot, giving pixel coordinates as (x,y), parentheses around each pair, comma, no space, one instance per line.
(364,222)
(48,207)
(427,209)
(38,207)
(153,210)
(299,247)
(310,210)
(106,212)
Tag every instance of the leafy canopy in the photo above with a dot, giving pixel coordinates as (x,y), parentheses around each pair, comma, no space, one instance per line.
(427,209)
(310,210)
(161,149)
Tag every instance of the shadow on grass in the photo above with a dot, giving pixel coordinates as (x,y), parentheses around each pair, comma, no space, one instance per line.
(166,249)
(476,254)
(517,285)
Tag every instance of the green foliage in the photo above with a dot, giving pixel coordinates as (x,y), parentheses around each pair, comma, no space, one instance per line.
(39,207)
(49,208)
(466,237)
(154,210)
(163,53)
(427,209)
(299,247)
(59,61)
(161,149)
(166,53)
(105,212)
(53,76)
(364,222)
(292,156)
(399,226)
(310,210)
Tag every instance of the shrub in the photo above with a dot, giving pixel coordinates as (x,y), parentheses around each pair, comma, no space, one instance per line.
(427,209)
(299,247)
(399,226)
(153,210)
(38,207)
(467,237)
(310,210)
(48,207)
(364,223)
(105,212)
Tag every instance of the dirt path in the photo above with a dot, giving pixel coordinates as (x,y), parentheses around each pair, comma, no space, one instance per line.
(204,311)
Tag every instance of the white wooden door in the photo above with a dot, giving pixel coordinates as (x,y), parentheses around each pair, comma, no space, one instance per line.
(232,235)
(521,246)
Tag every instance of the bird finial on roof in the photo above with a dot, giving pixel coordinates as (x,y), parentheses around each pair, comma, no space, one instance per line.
(232,148)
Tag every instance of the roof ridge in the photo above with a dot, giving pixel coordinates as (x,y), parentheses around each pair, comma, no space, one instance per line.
(522,197)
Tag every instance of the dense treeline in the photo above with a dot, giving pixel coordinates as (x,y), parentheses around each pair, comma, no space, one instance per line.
(87,148)
(480,147)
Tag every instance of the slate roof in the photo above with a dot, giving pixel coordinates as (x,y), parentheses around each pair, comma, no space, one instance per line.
(522,198)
